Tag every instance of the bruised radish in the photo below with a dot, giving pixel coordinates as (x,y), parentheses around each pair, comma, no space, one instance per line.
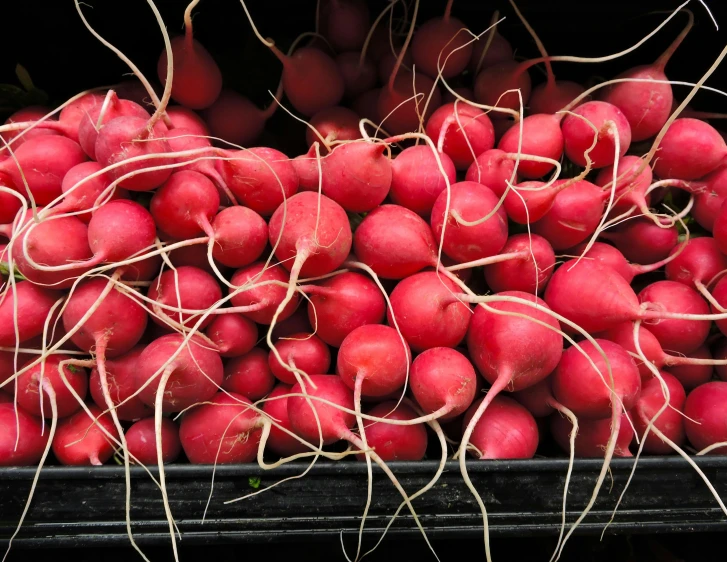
(80,442)
(249,375)
(505,431)
(141,441)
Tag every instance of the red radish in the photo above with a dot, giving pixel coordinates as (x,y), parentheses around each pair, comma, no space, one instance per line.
(578,134)
(86,194)
(443,382)
(224,431)
(194,375)
(402,102)
(44,161)
(240,236)
(573,217)
(116,143)
(233,334)
(335,424)
(630,187)
(33,306)
(341,304)
(552,96)
(184,118)
(305,352)
(719,229)
(461,93)
(466,132)
(373,361)
(469,201)
(185,204)
(249,375)
(118,230)
(358,76)
(697,264)
(492,82)
(720,353)
(195,255)
(306,166)
(538,399)
(9,204)
(395,242)
(134,90)
(442,43)
(357,176)
(395,442)
(235,119)
(670,422)
(541,136)
(8,369)
(73,113)
(197,79)
(141,441)
(704,413)
(27,116)
(642,241)
(120,373)
(24,449)
(366,105)
(587,392)
(333,124)
(613,258)
(427,312)
(490,50)
(296,323)
(29,387)
(505,431)
(260,178)
(493,168)
(196,289)
(265,297)
(690,149)
(678,336)
(312,229)
(276,407)
(528,268)
(387,63)
(709,194)
(695,369)
(593,436)
(416,179)
(531,200)
(79,441)
(719,293)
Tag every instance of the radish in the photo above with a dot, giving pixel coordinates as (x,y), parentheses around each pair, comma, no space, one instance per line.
(427,312)
(697,265)
(261,178)
(528,267)
(333,124)
(276,407)
(366,105)
(541,136)
(492,82)
(441,44)
(25,449)
(358,73)
(263,299)
(233,334)
(197,79)
(81,194)
(704,413)
(720,353)
(33,305)
(185,204)
(334,423)
(416,180)
(462,132)
(44,161)
(120,380)
(9,203)
(443,382)
(8,369)
(249,375)
(395,442)
(642,241)
(505,431)
(141,441)
(296,323)
(34,401)
(689,150)
(25,118)
(578,134)
(405,100)
(303,352)
(710,192)
(188,288)
(222,431)
(552,96)
(79,441)
(593,436)
(240,236)
(469,201)
(493,168)
(184,118)
(719,293)
(670,422)
(196,255)
(611,257)
(695,369)
(342,303)
(490,50)
(235,119)
(631,187)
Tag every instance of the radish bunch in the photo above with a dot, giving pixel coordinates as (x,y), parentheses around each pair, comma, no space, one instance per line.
(166,296)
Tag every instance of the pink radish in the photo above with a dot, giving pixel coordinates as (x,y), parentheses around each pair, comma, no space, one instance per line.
(118,230)
(276,407)
(493,168)
(593,436)
(505,431)
(184,118)
(704,413)
(462,131)
(333,124)
(710,193)
(85,195)
(528,268)
(120,372)
(249,375)
(427,312)
(185,204)
(443,382)
(578,134)
(541,136)
(233,334)
(33,306)
(642,241)
(395,442)
(25,118)
(442,43)
(24,447)
(223,431)
(196,289)
(80,442)
(263,299)
(670,422)
(303,351)
(141,441)
(469,201)
(611,257)
(416,179)
(30,395)
(343,303)
(630,187)
(358,76)
(689,150)
(697,265)
(235,119)
(240,236)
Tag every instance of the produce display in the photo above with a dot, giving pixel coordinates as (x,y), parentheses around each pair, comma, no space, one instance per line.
(461,272)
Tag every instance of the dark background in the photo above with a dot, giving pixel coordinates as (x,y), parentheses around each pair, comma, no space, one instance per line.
(63,58)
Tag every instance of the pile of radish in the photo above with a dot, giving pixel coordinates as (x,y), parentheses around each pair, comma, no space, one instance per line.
(499,266)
